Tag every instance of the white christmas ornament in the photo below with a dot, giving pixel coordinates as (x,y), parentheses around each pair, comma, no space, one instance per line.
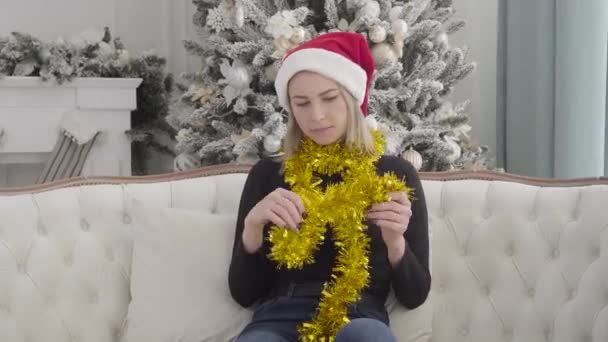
(413,157)
(395,13)
(272,144)
(400,29)
(370,9)
(377,34)
(384,55)
(298,35)
(442,39)
(343,25)
(186,161)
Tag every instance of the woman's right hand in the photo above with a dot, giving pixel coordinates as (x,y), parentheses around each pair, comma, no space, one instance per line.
(281,207)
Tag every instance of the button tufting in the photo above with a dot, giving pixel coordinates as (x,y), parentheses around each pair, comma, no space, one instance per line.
(485,290)
(21,267)
(555,253)
(487,214)
(441,288)
(464,331)
(508,332)
(532,216)
(84,225)
(572,294)
(94,298)
(126,218)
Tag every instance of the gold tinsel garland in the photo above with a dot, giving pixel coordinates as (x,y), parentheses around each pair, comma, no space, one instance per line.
(343,206)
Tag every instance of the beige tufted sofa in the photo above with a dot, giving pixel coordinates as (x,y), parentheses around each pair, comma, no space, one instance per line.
(513,258)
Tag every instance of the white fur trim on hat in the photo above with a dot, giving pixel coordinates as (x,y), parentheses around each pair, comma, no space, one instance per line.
(327,63)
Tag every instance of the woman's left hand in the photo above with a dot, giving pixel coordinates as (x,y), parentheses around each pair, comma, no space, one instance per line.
(392,217)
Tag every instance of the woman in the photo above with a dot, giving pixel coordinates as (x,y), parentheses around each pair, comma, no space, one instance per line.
(324,85)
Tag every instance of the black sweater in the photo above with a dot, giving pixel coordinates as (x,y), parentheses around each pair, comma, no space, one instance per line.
(253,276)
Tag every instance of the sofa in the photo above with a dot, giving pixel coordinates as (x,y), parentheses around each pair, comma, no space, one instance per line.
(121,259)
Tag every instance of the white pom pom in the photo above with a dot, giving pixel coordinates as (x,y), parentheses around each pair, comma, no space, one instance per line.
(377,34)
(186,161)
(395,13)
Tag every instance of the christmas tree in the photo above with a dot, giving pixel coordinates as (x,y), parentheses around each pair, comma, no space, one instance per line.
(229,111)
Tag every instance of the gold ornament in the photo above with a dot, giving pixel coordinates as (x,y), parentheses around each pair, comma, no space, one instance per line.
(204,94)
(413,157)
(343,206)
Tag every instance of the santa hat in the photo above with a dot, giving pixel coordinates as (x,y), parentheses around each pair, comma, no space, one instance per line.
(344,57)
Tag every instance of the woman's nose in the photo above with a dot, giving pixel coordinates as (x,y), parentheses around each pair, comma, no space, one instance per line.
(318,112)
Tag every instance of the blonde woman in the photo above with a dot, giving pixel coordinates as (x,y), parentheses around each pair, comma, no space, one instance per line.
(324,85)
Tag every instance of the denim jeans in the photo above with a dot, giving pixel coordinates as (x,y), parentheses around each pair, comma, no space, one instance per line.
(277,319)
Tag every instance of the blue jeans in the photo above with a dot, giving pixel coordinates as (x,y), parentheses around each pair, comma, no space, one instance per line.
(277,319)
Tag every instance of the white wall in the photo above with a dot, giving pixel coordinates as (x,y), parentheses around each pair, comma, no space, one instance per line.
(480,34)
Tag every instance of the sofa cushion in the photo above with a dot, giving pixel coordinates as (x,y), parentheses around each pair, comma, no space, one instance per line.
(65,258)
(179,277)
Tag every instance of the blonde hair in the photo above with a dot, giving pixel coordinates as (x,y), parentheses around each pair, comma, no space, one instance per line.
(357,135)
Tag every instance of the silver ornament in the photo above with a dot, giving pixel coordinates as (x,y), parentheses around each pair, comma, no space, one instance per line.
(413,157)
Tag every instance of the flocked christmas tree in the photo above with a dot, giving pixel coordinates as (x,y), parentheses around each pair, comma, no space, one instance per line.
(229,111)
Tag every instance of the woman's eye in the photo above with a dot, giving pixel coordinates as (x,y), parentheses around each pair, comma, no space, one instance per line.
(329,99)
(303,104)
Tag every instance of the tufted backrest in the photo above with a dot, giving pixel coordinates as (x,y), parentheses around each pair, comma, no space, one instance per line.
(512,258)
(65,252)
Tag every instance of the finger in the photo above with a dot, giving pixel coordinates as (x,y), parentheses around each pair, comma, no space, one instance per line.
(291,209)
(274,218)
(295,199)
(399,197)
(284,215)
(389,206)
(387,216)
(397,228)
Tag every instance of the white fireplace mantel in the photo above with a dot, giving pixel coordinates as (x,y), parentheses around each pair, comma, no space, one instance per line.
(30,114)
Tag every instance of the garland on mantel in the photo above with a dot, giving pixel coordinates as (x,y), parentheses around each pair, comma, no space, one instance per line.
(94,53)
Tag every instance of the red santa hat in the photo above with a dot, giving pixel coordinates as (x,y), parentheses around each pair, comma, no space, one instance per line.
(343,57)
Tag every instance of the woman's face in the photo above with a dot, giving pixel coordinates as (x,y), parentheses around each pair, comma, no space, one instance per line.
(318,107)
